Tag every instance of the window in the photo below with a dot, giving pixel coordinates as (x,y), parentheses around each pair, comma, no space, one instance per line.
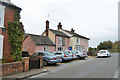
(77,40)
(60,41)
(45,48)
(60,49)
(2,15)
(63,41)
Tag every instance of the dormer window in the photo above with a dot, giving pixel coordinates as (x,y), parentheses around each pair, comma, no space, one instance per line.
(2,8)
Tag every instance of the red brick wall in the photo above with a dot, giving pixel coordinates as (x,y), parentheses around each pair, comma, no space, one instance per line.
(9,16)
(29,44)
(12,68)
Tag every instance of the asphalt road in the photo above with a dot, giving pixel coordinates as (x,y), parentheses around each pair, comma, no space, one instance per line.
(89,68)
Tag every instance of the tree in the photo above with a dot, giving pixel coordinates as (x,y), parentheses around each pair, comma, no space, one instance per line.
(105,45)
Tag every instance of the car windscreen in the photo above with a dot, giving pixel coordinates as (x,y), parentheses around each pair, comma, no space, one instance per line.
(50,54)
(66,52)
(58,53)
(35,54)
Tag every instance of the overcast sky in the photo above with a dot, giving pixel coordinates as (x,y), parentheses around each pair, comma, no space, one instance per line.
(95,19)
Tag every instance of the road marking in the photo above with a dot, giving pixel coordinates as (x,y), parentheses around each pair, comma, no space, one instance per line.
(116,74)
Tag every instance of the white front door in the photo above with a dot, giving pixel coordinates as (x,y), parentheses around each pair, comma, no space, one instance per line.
(1,46)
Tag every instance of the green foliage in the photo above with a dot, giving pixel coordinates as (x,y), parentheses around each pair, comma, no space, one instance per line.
(92,51)
(112,47)
(105,45)
(16,33)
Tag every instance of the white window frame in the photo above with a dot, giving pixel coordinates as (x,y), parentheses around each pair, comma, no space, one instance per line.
(2,8)
(60,41)
(1,46)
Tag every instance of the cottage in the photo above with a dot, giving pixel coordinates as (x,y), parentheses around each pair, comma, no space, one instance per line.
(7,10)
(60,39)
(33,43)
(76,41)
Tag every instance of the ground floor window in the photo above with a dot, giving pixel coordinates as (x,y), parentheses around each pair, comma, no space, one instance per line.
(78,47)
(60,49)
(1,46)
(45,48)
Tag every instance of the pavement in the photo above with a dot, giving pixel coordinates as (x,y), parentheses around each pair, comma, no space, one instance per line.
(23,75)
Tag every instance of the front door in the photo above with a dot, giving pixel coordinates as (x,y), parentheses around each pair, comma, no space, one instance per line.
(1,46)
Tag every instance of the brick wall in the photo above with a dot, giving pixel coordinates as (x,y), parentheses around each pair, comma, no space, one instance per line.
(9,16)
(66,43)
(0,31)
(12,68)
(29,45)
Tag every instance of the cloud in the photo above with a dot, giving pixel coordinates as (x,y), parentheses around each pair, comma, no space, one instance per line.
(96,19)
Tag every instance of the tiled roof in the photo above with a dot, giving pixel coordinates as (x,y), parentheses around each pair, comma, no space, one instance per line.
(41,40)
(76,35)
(10,4)
(59,33)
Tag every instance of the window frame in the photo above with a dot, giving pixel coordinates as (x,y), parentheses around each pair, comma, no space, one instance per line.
(2,15)
(60,41)
(77,40)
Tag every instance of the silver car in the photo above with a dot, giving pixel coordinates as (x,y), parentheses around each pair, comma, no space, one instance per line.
(48,58)
(64,55)
(74,55)
(81,55)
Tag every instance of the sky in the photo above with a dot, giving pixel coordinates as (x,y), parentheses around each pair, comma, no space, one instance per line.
(95,19)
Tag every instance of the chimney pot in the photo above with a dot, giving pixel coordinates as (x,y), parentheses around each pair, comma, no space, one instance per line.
(72,30)
(59,26)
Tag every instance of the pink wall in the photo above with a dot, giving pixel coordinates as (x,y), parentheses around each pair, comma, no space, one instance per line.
(66,43)
(29,44)
(83,42)
(40,48)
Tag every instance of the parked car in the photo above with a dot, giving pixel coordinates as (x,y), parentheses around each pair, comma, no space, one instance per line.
(74,55)
(65,55)
(103,53)
(48,58)
(80,55)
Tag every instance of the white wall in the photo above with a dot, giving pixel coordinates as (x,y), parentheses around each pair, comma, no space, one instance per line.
(1,46)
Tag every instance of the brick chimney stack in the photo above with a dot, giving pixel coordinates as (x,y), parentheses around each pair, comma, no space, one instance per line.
(59,26)
(47,27)
(47,24)
(72,30)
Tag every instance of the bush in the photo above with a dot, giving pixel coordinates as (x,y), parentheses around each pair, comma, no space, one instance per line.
(92,53)
(8,59)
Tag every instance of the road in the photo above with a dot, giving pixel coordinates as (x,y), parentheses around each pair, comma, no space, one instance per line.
(89,68)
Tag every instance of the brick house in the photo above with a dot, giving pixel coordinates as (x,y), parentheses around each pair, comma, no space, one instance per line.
(33,43)
(76,41)
(7,10)
(60,39)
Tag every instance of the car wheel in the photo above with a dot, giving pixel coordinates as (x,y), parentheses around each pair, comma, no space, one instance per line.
(78,57)
(45,63)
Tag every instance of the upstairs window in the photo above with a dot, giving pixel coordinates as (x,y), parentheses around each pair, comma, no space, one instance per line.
(60,41)
(77,40)
(63,41)
(2,8)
